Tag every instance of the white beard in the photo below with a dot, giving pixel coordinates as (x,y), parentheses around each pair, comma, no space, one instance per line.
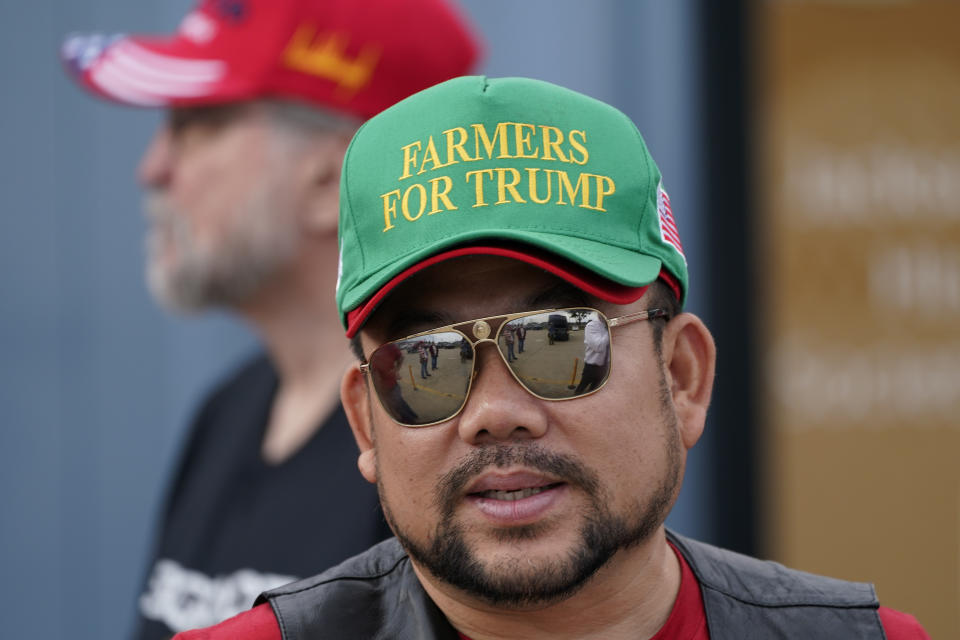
(186,275)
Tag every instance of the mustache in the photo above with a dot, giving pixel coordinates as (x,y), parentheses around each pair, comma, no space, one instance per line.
(166,223)
(156,207)
(565,468)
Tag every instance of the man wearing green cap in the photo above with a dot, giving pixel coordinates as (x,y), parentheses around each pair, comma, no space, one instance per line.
(524,503)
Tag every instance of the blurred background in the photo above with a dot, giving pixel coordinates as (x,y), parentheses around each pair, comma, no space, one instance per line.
(812,153)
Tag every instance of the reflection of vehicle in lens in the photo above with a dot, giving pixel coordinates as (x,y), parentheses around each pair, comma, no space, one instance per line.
(557,328)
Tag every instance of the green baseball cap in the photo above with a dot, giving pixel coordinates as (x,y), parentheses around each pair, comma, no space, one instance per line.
(508,166)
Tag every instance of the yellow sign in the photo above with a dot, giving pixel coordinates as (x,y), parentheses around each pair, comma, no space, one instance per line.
(860,172)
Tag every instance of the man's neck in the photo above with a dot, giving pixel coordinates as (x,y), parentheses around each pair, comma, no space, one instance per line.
(630,597)
(297,320)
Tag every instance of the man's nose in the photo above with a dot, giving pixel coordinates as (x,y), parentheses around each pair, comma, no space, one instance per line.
(156,165)
(498,408)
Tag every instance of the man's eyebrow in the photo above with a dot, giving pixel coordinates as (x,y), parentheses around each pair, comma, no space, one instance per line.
(560,295)
(557,296)
(410,321)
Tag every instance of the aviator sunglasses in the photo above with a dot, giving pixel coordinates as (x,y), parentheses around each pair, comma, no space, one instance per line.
(555,354)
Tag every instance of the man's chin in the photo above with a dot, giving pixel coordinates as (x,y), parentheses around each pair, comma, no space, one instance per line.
(520,568)
(540,540)
(524,581)
(172,295)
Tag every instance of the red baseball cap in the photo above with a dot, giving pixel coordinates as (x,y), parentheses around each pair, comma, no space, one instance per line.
(356,57)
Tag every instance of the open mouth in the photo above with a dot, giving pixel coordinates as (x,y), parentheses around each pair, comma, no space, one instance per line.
(511,495)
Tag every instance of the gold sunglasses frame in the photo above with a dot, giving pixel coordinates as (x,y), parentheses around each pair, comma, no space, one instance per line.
(481,328)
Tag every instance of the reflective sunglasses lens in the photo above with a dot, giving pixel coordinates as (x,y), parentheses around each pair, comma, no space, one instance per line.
(558,354)
(425,379)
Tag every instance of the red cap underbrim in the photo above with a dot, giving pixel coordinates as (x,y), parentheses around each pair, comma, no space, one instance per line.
(581,278)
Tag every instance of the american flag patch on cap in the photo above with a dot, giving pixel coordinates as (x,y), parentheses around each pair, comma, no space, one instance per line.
(668,226)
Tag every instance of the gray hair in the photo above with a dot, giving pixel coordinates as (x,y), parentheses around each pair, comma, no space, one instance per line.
(306,118)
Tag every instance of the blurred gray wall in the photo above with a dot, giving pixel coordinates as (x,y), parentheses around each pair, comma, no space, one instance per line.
(97,384)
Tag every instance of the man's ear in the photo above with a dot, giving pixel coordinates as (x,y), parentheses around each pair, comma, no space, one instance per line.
(690,357)
(322,165)
(356,404)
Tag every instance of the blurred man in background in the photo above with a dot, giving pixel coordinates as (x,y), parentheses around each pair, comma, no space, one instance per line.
(242,185)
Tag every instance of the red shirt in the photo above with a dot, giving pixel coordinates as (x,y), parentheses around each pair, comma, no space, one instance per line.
(687,620)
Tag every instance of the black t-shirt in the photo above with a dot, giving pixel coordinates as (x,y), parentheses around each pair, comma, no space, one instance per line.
(235,525)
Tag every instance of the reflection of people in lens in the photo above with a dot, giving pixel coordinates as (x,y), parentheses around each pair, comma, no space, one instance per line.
(596,352)
(386,369)
(433,355)
(422,352)
(521,336)
(509,338)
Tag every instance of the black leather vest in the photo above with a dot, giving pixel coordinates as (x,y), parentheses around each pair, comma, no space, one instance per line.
(376,595)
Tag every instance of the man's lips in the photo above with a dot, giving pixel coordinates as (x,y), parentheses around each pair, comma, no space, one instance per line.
(514,494)
(518,481)
(514,498)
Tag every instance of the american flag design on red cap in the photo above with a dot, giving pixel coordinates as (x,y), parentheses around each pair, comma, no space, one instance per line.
(668,226)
